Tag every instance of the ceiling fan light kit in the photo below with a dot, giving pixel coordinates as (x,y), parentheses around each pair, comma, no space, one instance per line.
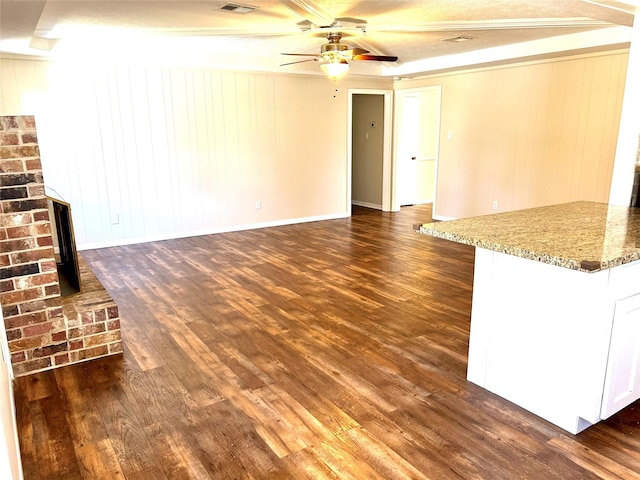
(335,67)
(334,56)
(230,32)
(516,17)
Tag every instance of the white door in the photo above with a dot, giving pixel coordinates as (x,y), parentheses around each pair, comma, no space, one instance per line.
(408,149)
(10,464)
(417,143)
(622,381)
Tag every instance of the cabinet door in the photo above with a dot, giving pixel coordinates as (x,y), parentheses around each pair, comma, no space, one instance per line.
(622,381)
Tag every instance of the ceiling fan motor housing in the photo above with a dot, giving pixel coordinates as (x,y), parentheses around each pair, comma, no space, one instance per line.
(334,47)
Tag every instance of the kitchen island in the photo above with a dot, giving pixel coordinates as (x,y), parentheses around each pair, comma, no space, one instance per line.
(555,319)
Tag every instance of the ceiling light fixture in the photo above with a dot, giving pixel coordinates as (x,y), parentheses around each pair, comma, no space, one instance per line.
(335,67)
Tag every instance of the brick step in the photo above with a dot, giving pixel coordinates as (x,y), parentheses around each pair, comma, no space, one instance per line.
(92,319)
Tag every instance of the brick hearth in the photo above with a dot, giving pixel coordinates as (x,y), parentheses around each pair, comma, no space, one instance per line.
(43,329)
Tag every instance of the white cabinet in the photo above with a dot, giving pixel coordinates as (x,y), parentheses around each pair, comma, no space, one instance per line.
(622,381)
(560,343)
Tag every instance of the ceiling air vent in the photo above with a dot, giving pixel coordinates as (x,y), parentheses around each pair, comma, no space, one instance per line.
(459,38)
(232,7)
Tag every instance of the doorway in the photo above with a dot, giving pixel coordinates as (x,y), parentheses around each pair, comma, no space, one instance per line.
(417,145)
(380,107)
(367,141)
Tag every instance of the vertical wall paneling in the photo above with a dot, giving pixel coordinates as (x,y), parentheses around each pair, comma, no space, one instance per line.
(81,153)
(579,83)
(171,173)
(506,172)
(10,95)
(581,88)
(195,150)
(203,129)
(129,156)
(145,152)
(105,130)
(160,174)
(288,97)
(291,99)
(182,153)
(230,163)
(218,193)
(262,146)
(94,163)
(245,137)
(529,134)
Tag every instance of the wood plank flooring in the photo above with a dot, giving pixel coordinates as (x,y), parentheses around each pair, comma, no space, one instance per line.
(325,350)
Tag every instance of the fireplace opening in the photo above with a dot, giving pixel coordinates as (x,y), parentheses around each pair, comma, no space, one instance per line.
(64,246)
(635,193)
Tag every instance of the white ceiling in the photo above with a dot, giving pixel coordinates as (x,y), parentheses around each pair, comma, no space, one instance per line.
(413,30)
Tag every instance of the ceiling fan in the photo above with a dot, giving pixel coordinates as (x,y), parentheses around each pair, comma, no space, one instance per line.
(408,29)
(334,57)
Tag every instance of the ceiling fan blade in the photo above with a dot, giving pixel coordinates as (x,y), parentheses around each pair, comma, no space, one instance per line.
(378,58)
(301,54)
(353,52)
(300,61)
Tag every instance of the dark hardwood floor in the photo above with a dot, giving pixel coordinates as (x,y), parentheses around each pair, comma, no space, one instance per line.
(333,349)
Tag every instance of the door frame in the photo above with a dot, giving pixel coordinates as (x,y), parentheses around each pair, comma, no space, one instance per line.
(387,190)
(396,129)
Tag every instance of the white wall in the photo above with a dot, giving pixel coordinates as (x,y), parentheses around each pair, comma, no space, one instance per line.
(528,134)
(144,152)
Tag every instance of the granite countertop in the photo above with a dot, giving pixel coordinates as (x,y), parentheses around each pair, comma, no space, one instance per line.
(585,236)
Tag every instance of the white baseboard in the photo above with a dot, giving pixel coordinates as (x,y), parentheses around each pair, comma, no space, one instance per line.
(196,233)
(366,205)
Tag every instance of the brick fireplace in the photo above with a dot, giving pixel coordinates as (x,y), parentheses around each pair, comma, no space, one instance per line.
(44,330)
